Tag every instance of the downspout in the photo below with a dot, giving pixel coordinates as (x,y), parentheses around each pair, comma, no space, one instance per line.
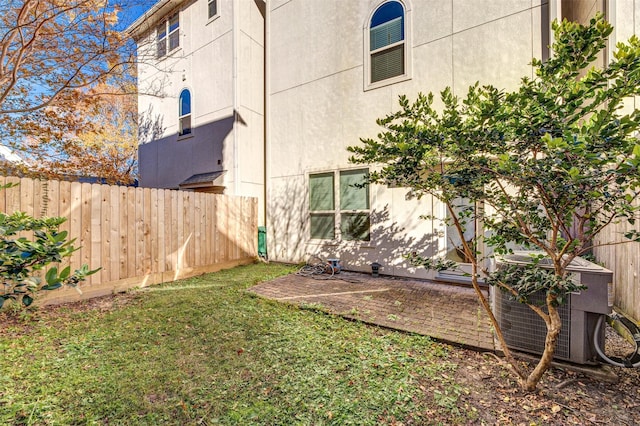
(235,10)
(611,16)
(555,13)
(265,85)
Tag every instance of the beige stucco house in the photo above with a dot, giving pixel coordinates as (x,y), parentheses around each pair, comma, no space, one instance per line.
(201,84)
(277,90)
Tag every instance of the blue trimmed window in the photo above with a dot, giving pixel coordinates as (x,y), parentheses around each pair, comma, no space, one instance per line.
(387,42)
(184,113)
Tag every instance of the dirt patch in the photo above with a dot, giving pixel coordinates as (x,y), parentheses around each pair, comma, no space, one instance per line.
(21,322)
(564,397)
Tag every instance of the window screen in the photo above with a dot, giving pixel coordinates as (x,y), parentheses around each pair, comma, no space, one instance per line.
(323,226)
(321,192)
(387,64)
(174,33)
(352,217)
(161,40)
(322,206)
(168,35)
(355,226)
(354,193)
(354,205)
(385,34)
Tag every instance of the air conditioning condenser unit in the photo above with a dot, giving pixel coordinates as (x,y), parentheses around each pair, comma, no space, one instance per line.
(525,331)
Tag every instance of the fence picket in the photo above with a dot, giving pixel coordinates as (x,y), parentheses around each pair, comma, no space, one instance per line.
(86,227)
(624,260)
(139,236)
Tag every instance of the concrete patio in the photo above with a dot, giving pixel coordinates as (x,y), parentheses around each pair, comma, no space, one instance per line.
(449,313)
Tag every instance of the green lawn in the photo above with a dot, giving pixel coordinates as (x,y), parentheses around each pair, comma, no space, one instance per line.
(204,351)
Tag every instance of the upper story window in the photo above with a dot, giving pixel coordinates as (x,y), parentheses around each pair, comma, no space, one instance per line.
(213,8)
(184,113)
(387,56)
(168,35)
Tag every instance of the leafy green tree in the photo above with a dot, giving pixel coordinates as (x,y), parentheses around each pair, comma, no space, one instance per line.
(23,260)
(547,167)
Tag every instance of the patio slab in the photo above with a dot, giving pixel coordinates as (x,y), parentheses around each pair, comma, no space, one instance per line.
(449,313)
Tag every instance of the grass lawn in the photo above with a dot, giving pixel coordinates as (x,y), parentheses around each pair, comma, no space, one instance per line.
(204,351)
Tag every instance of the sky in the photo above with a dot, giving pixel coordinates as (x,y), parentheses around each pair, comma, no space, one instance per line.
(132,10)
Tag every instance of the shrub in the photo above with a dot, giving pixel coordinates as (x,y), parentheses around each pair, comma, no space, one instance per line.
(23,260)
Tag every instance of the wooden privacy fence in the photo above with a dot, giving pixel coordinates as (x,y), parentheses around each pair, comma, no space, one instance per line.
(139,236)
(624,260)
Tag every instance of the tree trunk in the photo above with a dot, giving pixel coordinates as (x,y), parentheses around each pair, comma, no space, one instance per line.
(494,322)
(554,325)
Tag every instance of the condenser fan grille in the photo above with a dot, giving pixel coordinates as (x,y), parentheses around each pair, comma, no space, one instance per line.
(524,330)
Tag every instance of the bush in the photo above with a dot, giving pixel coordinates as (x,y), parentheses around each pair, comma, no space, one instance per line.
(22,261)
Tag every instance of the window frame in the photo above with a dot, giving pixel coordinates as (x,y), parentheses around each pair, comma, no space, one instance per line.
(339,211)
(215,15)
(368,54)
(168,37)
(185,116)
(161,40)
(319,213)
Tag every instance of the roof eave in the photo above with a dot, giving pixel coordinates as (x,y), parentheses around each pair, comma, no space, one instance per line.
(151,17)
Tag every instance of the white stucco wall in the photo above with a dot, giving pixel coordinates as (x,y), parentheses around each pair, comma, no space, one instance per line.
(624,15)
(249,36)
(220,61)
(318,107)
(190,66)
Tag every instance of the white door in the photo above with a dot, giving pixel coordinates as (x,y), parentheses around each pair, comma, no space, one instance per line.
(451,241)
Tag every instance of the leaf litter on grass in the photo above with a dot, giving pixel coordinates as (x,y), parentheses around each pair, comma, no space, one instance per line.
(215,354)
